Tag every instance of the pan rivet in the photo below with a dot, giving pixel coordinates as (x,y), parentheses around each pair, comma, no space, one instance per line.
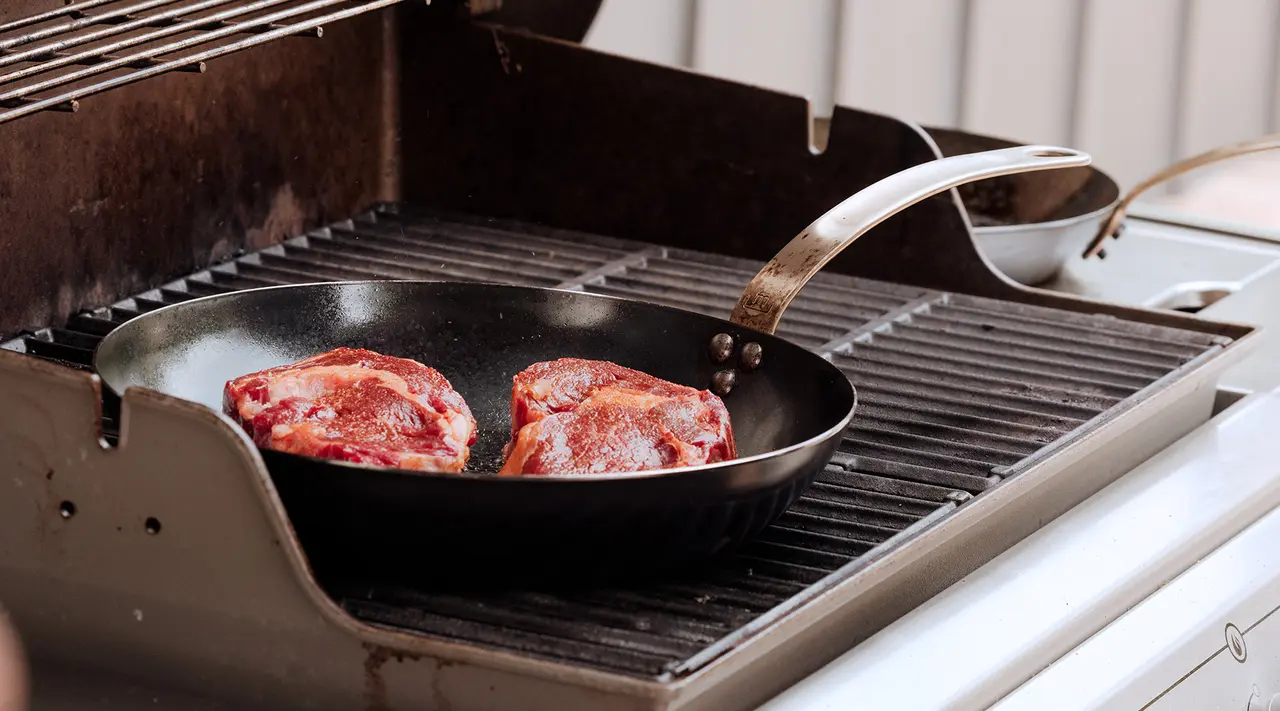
(721,347)
(752,353)
(723,381)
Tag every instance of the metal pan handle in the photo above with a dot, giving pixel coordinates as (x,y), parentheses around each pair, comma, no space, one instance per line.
(773,288)
(1111,227)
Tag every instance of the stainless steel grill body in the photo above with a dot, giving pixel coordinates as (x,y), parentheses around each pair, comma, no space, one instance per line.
(960,395)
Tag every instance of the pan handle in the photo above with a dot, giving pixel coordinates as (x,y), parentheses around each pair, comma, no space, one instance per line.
(773,288)
(1111,227)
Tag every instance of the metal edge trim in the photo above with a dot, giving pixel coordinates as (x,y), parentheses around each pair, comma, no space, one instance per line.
(1075,303)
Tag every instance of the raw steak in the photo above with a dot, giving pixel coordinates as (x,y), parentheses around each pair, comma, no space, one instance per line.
(572,416)
(357,406)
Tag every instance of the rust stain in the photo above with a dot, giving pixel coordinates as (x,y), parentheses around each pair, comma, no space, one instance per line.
(438,697)
(287,217)
(375,684)
(375,687)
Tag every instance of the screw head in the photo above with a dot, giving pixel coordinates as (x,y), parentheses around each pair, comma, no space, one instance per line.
(751,356)
(723,381)
(959,497)
(721,347)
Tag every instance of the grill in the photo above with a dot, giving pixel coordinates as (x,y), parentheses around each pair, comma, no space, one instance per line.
(985,409)
(957,393)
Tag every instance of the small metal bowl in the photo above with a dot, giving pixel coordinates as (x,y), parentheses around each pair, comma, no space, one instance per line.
(1070,211)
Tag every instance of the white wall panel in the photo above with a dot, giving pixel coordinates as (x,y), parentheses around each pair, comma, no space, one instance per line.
(1229,68)
(653,30)
(1138,83)
(902,58)
(1273,125)
(1020,72)
(1128,85)
(788,46)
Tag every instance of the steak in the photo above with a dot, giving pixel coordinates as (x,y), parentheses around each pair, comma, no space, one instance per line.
(573,416)
(355,405)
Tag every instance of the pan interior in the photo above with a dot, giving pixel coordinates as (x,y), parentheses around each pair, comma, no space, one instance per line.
(479,337)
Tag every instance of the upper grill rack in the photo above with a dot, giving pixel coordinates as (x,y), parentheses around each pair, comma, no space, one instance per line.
(51,60)
(955,394)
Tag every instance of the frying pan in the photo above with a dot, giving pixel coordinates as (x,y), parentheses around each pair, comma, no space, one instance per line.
(788,405)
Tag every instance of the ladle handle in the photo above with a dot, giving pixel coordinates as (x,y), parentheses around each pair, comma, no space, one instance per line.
(773,288)
(1111,226)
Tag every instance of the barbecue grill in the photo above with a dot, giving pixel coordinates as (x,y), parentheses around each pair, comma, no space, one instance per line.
(414,141)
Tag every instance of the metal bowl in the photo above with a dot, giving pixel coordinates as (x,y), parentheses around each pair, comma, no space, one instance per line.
(1029,225)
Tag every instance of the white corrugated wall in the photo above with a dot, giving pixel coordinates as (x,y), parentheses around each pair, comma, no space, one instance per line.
(1138,83)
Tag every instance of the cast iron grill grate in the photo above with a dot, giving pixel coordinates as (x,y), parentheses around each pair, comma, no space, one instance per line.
(955,394)
(51,60)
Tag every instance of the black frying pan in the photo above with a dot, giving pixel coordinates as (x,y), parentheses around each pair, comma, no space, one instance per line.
(788,413)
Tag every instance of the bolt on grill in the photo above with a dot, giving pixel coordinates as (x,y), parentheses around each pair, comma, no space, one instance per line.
(956,393)
(51,60)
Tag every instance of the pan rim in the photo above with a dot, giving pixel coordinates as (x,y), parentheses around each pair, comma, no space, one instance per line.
(494,476)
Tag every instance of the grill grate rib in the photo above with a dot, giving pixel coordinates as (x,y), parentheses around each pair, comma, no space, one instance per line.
(51,60)
(956,393)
